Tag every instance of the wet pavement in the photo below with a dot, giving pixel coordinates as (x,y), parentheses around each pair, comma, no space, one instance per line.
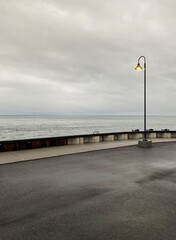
(38,153)
(125,193)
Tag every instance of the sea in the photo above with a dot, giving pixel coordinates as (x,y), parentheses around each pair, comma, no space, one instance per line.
(26,127)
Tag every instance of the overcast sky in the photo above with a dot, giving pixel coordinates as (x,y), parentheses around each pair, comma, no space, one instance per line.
(79,56)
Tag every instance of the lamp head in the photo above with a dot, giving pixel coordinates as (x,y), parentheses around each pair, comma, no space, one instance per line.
(138,67)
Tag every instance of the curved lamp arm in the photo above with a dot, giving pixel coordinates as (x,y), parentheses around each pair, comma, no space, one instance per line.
(143,58)
(138,67)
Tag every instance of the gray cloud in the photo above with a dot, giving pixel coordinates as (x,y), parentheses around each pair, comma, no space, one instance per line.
(78,57)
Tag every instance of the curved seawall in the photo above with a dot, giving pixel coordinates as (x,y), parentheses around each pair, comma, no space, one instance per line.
(81,139)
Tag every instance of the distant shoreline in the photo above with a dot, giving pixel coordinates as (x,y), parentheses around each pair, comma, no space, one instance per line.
(49,115)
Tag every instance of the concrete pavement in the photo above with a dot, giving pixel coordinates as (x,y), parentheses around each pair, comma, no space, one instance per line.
(123,193)
(24,155)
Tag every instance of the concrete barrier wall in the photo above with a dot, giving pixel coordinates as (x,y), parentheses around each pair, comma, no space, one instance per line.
(107,138)
(121,136)
(80,139)
(91,139)
(135,135)
(151,135)
(173,134)
(74,141)
(163,135)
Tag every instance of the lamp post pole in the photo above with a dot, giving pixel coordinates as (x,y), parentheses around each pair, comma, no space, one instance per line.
(145,115)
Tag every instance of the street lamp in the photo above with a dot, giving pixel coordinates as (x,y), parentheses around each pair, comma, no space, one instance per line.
(145,142)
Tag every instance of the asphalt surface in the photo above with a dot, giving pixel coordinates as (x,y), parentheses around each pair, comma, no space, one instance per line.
(38,153)
(127,193)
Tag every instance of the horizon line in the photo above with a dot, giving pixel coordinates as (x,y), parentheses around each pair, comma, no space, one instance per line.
(82,115)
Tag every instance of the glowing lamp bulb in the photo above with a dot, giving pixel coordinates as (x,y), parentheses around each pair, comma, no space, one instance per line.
(138,68)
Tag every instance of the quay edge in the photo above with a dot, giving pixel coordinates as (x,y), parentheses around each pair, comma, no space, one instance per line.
(23,144)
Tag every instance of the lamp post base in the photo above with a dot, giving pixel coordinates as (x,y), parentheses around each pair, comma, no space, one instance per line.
(145,143)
